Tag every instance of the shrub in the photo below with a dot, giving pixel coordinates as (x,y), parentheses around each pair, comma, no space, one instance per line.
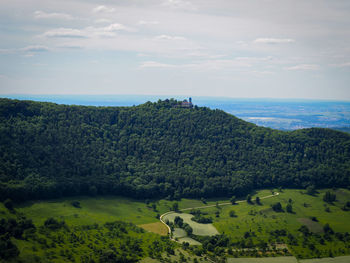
(76,204)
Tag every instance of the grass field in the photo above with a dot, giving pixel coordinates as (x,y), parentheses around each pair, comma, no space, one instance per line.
(198,229)
(260,220)
(257,220)
(158,228)
(263,260)
(343,259)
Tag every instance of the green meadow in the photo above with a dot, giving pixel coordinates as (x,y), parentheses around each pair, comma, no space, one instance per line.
(253,224)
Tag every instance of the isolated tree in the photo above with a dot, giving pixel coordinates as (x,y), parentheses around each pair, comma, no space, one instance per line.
(233,200)
(277,207)
(8,204)
(188,229)
(154,206)
(329,197)
(327,229)
(289,208)
(249,199)
(175,207)
(232,213)
(311,190)
(257,200)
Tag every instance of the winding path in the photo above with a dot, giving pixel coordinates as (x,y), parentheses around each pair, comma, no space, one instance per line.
(206,206)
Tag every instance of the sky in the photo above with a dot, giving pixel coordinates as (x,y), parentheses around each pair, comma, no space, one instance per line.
(226,48)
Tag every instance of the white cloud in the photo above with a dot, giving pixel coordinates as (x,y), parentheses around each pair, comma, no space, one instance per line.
(143,22)
(180,4)
(36,48)
(341,65)
(207,65)
(88,32)
(167,37)
(102,21)
(65,33)
(117,27)
(103,9)
(274,40)
(43,15)
(154,64)
(304,67)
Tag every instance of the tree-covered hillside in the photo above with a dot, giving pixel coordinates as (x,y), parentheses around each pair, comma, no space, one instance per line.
(157,150)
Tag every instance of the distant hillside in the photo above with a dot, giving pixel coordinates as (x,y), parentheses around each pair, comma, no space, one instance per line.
(157,150)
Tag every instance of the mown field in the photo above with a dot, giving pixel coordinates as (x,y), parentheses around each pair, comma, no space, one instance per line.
(254,224)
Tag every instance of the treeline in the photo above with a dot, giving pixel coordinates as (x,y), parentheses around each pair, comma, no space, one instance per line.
(156,150)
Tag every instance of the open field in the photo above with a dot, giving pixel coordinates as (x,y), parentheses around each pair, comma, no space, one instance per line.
(263,260)
(198,229)
(93,210)
(158,228)
(259,221)
(342,259)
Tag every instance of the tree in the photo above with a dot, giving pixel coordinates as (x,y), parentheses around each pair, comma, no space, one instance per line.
(232,213)
(257,200)
(178,221)
(329,197)
(154,206)
(327,229)
(277,207)
(289,208)
(175,207)
(188,229)
(8,204)
(233,200)
(249,199)
(311,190)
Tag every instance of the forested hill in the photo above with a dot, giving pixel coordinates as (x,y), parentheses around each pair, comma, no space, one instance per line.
(157,150)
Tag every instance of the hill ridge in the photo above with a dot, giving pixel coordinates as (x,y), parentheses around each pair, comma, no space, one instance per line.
(157,150)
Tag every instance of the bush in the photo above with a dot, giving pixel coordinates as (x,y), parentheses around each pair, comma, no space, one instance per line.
(76,204)
(8,204)
(329,197)
(232,213)
(277,207)
(53,223)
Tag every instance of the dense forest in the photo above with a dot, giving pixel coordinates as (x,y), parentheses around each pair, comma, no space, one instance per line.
(157,150)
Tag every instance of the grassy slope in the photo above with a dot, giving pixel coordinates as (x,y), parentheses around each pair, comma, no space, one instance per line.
(106,209)
(267,220)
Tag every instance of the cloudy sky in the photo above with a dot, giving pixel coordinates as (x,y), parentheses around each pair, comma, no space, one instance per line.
(232,48)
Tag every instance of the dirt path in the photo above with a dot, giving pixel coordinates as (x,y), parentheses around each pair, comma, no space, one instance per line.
(206,206)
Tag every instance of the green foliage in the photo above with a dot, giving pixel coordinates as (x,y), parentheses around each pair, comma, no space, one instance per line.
(257,200)
(156,150)
(311,190)
(202,219)
(249,199)
(76,204)
(277,207)
(175,207)
(329,197)
(233,200)
(8,204)
(232,213)
(54,224)
(289,208)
